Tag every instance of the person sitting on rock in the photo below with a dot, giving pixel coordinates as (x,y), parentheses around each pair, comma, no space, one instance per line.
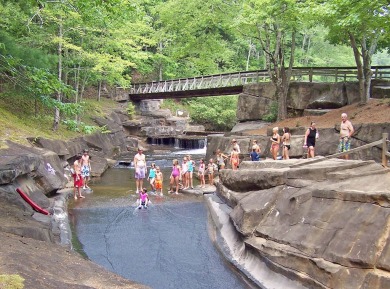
(255,157)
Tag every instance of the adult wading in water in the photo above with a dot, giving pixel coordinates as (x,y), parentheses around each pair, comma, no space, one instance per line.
(140,169)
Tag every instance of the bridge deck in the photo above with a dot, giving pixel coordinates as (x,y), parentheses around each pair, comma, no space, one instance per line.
(232,83)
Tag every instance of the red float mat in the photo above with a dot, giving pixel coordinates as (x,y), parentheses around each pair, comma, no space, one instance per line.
(32,204)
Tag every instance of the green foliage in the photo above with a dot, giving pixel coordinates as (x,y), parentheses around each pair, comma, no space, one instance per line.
(77,126)
(130,110)
(11,282)
(272,115)
(215,113)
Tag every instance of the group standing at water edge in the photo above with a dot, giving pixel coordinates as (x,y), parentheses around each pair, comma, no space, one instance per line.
(310,137)
(182,174)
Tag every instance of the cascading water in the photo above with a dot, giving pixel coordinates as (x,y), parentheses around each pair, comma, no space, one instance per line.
(179,143)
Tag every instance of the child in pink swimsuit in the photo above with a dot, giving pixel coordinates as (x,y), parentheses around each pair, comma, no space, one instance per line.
(143,199)
(175,176)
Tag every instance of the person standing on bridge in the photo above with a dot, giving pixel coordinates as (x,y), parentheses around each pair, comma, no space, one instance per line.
(346,131)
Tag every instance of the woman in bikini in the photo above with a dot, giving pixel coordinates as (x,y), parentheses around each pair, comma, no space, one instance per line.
(175,176)
(234,159)
(286,139)
(275,141)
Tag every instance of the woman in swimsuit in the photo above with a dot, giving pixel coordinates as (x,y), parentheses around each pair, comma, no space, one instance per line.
(221,159)
(175,176)
(234,159)
(286,139)
(275,141)
(310,139)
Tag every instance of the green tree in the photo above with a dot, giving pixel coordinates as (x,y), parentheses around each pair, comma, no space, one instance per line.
(274,24)
(364,24)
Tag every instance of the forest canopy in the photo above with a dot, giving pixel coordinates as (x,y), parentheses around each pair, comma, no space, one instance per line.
(52,51)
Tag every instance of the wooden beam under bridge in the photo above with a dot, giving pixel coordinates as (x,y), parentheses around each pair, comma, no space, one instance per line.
(231,90)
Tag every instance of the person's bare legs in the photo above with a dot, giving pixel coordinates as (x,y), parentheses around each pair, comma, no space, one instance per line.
(311,152)
(177,185)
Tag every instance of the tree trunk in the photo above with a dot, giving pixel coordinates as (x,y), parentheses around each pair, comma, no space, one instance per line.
(59,94)
(359,66)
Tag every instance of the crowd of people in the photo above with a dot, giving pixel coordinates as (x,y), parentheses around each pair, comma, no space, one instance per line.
(183,172)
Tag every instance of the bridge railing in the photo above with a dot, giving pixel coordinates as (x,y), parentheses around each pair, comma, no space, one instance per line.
(320,74)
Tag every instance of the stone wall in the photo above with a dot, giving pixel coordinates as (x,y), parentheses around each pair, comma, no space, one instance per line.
(255,101)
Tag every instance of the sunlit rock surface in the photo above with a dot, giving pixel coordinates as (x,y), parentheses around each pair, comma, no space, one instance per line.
(323,225)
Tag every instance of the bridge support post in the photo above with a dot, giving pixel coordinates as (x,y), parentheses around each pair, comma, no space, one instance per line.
(385,149)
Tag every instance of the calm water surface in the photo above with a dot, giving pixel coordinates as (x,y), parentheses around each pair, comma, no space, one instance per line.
(165,246)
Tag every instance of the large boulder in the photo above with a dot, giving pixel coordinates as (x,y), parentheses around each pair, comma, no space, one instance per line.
(256,99)
(302,95)
(324,225)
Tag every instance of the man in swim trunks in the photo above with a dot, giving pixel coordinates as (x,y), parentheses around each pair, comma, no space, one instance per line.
(77,178)
(346,131)
(140,169)
(86,168)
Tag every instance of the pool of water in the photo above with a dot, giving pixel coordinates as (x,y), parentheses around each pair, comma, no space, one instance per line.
(164,246)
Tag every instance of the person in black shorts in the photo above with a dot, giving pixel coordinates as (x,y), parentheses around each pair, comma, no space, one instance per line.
(310,139)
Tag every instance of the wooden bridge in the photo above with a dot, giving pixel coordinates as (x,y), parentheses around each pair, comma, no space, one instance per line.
(232,83)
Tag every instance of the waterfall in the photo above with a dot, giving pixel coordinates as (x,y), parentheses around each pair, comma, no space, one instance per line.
(179,143)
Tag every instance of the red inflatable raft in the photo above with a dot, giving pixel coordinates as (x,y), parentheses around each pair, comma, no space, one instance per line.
(32,204)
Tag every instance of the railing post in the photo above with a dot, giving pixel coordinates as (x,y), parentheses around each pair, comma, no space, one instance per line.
(311,75)
(384,149)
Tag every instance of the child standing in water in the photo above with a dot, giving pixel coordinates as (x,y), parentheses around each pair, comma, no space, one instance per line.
(152,176)
(143,199)
(211,167)
(190,167)
(201,172)
(185,173)
(175,176)
(159,181)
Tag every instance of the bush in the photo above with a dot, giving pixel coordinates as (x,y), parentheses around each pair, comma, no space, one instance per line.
(130,110)
(272,115)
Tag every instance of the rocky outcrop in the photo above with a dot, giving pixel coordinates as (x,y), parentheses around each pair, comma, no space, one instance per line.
(323,225)
(256,99)
(37,247)
(159,123)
